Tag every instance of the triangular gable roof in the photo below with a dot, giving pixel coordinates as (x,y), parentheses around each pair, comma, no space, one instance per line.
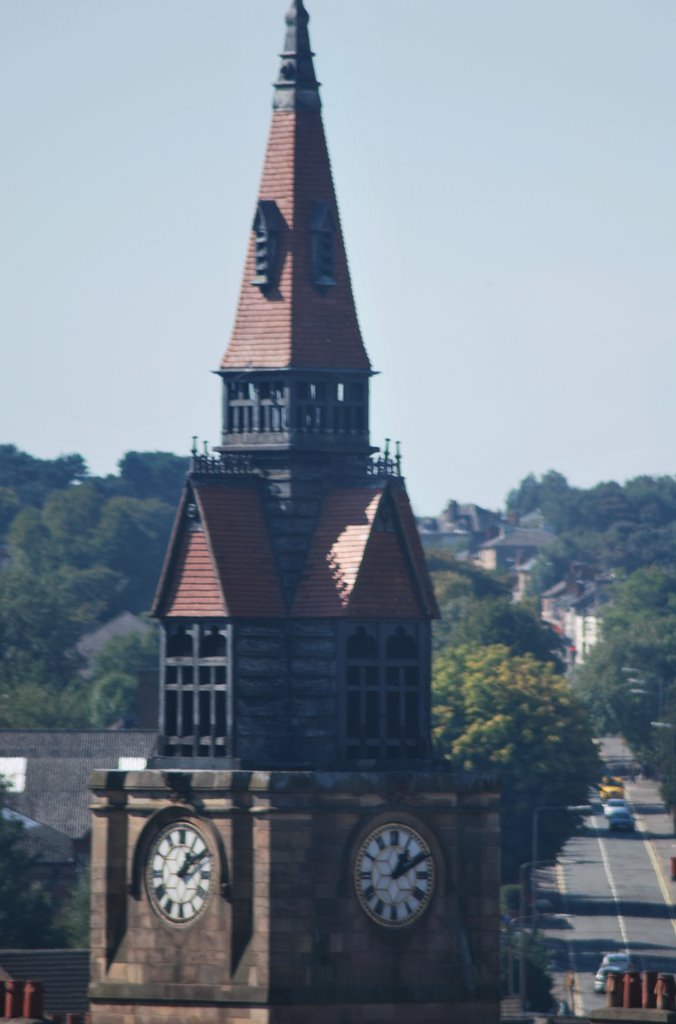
(227,568)
(354,569)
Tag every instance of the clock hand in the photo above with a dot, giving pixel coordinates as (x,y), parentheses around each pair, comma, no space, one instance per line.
(191,858)
(404,866)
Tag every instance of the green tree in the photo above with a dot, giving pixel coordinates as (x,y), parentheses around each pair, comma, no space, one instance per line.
(26,911)
(74,918)
(516,716)
(9,506)
(32,479)
(627,679)
(158,475)
(115,673)
(477,609)
(132,538)
(39,626)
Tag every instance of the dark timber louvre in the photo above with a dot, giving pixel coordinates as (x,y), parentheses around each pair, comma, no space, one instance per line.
(386,711)
(195,689)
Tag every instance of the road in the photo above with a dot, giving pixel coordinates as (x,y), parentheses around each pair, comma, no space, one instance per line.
(612,892)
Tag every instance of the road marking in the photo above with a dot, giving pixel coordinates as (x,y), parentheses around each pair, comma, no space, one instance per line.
(611,882)
(657,868)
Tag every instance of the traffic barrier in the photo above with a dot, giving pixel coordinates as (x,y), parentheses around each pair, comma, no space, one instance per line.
(665,992)
(13,998)
(33,1000)
(649,980)
(614,990)
(632,990)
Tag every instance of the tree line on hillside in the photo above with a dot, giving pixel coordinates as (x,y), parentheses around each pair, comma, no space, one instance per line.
(619,527)
(78,550)
(628,680)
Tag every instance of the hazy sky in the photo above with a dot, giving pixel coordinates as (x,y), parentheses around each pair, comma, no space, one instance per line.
(506,171)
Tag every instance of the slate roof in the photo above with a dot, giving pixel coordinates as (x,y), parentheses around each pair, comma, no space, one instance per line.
(228,568)
(521,538)
(58,766)
(295,323)
(41,841)
(90,644)
(63,972)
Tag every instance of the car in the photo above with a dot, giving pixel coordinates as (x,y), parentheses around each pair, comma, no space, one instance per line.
(611,786)
(601,977)
(613,804)
(612,963)
(618,961)
(621,820)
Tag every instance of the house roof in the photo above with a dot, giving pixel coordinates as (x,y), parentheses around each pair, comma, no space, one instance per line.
(294,323)
(57,769)
(227,566)
(521,538)
(124,624)
(64,974)
(41,841)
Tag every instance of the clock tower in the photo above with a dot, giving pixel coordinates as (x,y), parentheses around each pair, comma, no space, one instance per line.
(295,850)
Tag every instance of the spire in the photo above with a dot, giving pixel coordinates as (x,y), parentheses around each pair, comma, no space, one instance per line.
(296,307)
(297,87)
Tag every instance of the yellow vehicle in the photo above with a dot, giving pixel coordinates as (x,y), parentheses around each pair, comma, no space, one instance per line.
(611,786)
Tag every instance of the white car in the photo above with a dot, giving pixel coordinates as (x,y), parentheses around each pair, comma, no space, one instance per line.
(618,961)
(612,963)
(614,804)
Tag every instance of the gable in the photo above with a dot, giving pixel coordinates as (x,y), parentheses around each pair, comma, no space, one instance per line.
(193,588)
(220,561)
(385,587)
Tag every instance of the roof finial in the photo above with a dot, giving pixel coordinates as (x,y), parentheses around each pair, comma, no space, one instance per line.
(297,87)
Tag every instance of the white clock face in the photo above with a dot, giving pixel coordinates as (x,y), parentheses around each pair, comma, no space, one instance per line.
(179,873)
(394,874)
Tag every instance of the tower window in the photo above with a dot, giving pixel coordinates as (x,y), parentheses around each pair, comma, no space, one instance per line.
(322,232)
(383,694)
(266,226)
(195,686)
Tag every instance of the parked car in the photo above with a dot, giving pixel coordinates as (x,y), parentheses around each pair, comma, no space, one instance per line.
(613,804)
(612,963)
(618,961)
(621,820)
(611,786)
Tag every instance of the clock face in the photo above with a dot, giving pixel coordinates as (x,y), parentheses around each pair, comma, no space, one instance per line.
(179,873)
(394,874)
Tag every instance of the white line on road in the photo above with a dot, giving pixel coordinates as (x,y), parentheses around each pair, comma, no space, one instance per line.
(611,882)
